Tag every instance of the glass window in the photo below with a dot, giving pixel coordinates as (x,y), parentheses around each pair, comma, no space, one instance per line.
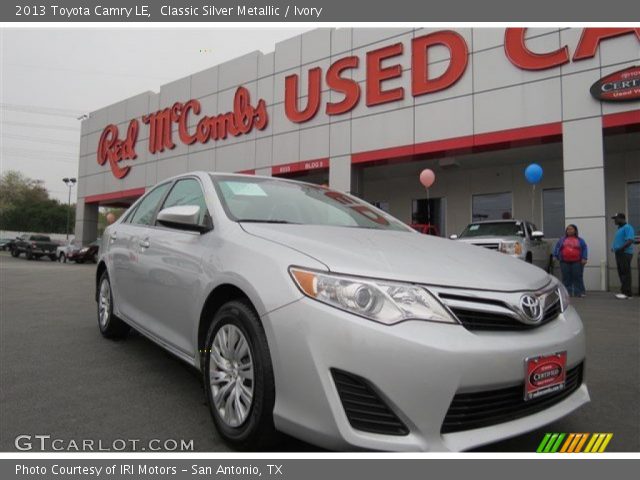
(266,200)
(187,192)
(633,205)
(493,229)
(146,209)
(553,212)
(492,206)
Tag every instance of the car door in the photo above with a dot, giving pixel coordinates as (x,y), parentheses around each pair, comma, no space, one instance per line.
(125,238)
(172,265)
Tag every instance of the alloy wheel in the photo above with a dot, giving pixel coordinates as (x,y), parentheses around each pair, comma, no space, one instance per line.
(104,302)
(231,375)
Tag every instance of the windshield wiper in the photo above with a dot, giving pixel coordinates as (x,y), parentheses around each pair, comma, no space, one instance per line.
(258,220)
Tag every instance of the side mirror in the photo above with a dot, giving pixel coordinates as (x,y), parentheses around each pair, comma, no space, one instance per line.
(182,217)
(453,237)
(537,235)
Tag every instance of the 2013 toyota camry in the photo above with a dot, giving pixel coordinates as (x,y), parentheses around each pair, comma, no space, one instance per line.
(310,312)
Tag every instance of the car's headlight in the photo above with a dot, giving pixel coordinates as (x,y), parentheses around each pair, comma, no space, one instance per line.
(565,299)
(84,250)
(381,301)
(511,248)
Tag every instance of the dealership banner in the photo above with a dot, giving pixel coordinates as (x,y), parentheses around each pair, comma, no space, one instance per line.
(317,469)
(316,11)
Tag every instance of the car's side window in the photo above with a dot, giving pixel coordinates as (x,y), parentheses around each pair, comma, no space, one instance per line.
(187,192)
(146,210)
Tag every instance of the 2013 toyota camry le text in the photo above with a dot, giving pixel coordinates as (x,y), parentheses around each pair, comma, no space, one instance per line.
(313,313)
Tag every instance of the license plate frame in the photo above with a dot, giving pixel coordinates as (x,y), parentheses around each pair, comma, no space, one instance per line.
(544,374)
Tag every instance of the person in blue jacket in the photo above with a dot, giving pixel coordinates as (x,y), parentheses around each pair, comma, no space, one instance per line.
(623,249)
(572,252)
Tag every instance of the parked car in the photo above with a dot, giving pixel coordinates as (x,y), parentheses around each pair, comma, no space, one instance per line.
(34,247)
(518,238)
(311,312)
(6,243)
(63,251)
(88,253)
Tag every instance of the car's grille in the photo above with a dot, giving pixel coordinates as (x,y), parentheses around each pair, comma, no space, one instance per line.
(482,409)
(488,314)
(365,410)
(490,246)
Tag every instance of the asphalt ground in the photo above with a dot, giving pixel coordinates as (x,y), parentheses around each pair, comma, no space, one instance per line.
(60,377)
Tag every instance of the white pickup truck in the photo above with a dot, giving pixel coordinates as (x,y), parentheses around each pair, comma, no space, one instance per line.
(518,238)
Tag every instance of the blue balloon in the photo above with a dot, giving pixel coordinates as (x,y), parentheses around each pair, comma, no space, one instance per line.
(533,173)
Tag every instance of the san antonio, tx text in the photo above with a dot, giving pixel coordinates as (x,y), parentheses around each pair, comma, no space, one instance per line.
(144,469)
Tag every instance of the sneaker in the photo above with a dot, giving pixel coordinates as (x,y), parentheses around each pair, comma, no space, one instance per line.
(621,296)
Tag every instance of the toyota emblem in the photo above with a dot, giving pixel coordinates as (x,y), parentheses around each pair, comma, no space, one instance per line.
(531,308)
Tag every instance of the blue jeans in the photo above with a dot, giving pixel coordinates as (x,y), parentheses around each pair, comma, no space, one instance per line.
(572,277)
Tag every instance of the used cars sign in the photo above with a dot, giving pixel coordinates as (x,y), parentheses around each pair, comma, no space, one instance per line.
(620,86)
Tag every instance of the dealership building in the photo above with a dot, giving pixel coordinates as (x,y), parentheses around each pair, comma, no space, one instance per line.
(366,110)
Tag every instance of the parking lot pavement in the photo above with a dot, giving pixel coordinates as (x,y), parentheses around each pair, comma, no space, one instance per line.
(59,377)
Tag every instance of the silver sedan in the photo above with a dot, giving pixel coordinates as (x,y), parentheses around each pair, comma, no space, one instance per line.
(311,312)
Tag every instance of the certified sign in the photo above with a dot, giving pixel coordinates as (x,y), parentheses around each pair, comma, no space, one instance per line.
(620,86)
(545,374)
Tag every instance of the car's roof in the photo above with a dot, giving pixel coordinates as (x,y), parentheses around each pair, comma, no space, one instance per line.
(509,220)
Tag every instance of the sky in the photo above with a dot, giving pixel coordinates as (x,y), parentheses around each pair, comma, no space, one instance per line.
(50,77)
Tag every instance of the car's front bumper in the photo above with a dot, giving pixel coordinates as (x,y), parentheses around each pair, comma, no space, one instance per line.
(417,367)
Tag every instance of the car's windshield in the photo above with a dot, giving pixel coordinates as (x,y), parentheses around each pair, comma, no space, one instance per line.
(489,229)
(264,200)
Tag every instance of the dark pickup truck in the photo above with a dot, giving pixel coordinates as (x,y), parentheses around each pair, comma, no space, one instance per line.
(34,247)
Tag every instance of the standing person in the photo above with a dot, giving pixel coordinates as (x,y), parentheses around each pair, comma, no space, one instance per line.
(572,252)
(623,249)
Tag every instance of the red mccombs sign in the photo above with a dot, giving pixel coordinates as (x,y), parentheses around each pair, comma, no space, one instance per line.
(379,68)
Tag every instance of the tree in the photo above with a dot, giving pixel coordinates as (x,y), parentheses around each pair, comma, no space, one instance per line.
(25,206)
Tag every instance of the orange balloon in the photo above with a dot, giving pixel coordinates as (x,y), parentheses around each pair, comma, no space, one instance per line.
(427,177)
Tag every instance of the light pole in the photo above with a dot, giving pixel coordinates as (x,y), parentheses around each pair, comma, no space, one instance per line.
(69,182)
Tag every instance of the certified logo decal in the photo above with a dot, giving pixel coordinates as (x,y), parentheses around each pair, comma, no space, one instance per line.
(531,308)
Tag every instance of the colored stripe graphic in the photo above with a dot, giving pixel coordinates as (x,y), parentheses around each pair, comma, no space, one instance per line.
(574,442)
(550,443)
(581,443)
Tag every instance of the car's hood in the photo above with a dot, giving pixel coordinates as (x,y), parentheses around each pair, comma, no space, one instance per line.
(404,256)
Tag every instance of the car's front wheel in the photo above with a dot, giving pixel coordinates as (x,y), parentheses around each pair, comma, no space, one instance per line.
(110,325)
(15,253)
(238,378)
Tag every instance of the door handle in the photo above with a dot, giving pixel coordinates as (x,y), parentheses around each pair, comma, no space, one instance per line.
(113,237)
(144,243)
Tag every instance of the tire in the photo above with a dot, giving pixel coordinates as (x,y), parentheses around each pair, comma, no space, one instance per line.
(110,326)
(15,253)
(249,427)
(62,258)
(52,258)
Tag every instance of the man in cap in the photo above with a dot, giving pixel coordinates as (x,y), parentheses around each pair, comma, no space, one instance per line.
(623,249)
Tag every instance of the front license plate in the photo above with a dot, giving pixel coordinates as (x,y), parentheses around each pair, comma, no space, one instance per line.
(545,374)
